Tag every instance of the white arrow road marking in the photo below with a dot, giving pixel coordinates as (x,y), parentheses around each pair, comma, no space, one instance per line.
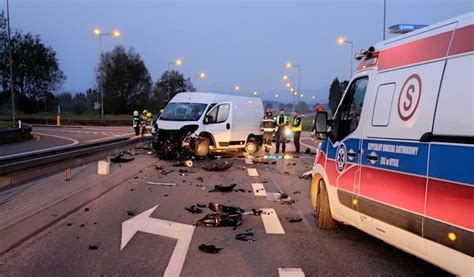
(252,172)
(144,223)
(259,189)
(248,161)
(271,222)
(290,272)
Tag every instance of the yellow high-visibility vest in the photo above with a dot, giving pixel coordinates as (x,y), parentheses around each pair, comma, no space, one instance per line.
(297,127)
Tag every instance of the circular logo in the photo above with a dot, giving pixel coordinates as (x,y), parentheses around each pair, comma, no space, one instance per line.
(409,97)
(341,157)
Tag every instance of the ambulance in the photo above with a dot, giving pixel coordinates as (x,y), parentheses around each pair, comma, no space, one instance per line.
(397,157)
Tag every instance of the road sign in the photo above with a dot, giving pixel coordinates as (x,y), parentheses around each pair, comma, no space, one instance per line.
(144,223)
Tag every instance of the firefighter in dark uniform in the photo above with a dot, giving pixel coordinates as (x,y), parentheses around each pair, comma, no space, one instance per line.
(268,127)
(281,122)
(136,122)
(297,127)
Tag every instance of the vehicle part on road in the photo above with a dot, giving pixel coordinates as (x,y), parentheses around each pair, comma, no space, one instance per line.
(307,151)
(256,212)
(306,175)
(131,212)
(324,218)
(201,205)
(162,184)
(186,171)
(93,247)
(222,188)
(218,166)
(221,220)
(188,163)
(245,236)
(103,168)
(212,249)
(218,208)
(120,159)
(193,209)
(293,219)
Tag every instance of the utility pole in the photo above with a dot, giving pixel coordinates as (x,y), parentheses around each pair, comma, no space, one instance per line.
(12,90)
(384,16)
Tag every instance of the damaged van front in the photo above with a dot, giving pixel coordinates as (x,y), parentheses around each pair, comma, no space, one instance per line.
(196,124)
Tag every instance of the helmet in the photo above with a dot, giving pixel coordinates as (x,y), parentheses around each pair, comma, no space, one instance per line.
(269,110)
(135,113)
(145,112)
(148,115)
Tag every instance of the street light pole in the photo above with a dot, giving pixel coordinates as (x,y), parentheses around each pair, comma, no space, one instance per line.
(384,16)
(101,67)
(177,63)
(12,91)
(341,41)
(289,66)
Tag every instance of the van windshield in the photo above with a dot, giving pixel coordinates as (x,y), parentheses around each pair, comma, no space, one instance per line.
(178,111)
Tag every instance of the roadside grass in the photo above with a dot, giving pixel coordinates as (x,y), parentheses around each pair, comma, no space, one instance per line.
(5,124)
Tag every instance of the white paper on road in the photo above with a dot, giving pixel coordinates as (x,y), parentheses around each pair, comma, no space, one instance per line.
(252,172)
(259,189)
(271,222)
(248,161)
(290,272)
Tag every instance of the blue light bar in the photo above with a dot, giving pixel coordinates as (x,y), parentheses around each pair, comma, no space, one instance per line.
(404,28)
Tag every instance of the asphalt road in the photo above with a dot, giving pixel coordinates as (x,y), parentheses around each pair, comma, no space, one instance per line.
(64,248)
(49,138)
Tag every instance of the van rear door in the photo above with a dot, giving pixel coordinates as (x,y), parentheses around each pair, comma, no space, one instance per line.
(217,123)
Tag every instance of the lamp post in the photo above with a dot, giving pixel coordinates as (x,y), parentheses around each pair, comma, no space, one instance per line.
(255,93)
(290,65)
(384,16)
(341,41)
(236,88)
(12,91)
(99,33)
(201,76)
(177,62)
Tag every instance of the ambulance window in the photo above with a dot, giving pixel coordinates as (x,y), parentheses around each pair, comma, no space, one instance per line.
(348,114)
(383,105)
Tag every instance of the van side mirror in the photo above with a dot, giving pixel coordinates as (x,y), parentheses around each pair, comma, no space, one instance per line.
(321,125)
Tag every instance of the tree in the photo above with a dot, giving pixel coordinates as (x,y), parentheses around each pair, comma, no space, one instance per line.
(335,94)
(36,71)
(169,84)
(126,81)
(80,103)
(302,107)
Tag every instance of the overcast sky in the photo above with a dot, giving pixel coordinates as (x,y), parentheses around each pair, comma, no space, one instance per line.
(234,42)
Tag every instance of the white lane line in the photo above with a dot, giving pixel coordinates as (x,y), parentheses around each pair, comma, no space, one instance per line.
(248,161)
(259,189)
(271,222)
(252,172)
(290,272)
(74,142)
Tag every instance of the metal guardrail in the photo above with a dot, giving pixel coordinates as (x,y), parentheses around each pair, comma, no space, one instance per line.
(64,157)
(25,128)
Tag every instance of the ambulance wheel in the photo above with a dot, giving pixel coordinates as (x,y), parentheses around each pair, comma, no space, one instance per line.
(201,148)
(252,146)
(324,219)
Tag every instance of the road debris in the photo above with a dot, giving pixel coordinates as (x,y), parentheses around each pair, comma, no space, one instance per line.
(86,209)
(193,209)
(200,179)
(257,212)
(306,175)
(297,192)
(307,151)
(166,172)
(161,184)
(218,166)
(246,236)
(201,205)
(131,212)
(293,219)
(120,159)
(216,207)
(222,188)
(221,220)
(212,249)
(93,247)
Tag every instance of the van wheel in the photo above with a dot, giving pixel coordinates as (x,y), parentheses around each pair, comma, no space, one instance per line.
(201,148)
(252,146)
(324,219)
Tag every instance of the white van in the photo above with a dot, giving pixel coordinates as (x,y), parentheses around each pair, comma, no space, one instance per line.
(397,160)
(210,122)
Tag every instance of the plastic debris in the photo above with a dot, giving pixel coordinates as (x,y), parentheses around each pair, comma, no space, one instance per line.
(293,219)
(166,172)
(120,159)
(162,184)
(131,212)
(221,220)
(222,188)
(212,249)
(256,212)
(246,236)
(218,166)
(93,247)
(306,175)
(215,207)
(307,151)
(200,179)
(193,209)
